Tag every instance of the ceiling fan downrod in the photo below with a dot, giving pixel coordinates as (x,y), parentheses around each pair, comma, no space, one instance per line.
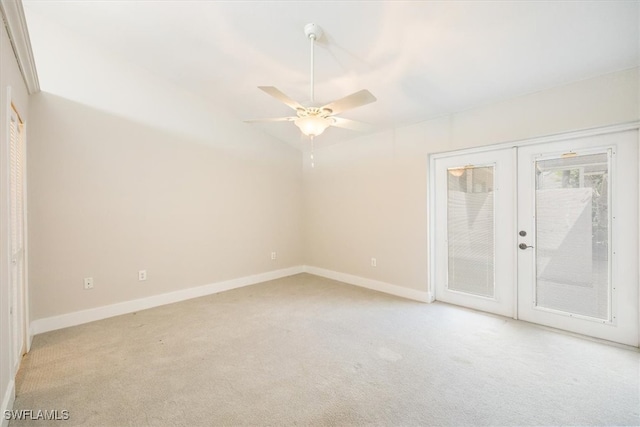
(313,32)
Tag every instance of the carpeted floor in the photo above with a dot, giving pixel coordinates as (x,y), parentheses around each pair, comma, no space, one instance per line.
(310,351)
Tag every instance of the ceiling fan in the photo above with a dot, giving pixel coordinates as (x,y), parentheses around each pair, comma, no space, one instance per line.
(313,120)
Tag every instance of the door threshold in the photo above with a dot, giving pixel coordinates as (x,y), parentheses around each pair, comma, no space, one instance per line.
(547,328)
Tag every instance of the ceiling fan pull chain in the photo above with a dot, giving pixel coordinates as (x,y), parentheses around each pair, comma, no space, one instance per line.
(313,162)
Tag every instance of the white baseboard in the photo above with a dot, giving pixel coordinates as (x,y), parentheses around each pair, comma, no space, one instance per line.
(7,401)
(376,285)
(90,315)
(85,316)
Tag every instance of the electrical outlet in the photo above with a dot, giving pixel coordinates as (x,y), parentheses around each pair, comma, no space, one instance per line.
(274,255)
(142,275)
(374,263)
(88,282)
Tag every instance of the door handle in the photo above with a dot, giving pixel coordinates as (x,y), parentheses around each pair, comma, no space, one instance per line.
(524,246)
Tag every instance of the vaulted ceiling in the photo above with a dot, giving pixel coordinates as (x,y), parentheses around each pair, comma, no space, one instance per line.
(420,59)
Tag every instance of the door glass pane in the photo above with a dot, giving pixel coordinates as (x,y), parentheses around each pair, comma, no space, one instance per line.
(470,230)
(572,234)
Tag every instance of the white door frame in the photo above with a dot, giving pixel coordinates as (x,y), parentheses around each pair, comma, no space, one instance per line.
(431,196)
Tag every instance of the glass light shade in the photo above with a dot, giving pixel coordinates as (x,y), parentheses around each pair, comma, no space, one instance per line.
(312,125)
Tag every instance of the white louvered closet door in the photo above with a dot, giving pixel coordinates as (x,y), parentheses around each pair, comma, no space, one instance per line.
(17,236)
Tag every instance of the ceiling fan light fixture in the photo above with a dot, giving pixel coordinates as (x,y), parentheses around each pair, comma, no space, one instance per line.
(313,125)
(312,121)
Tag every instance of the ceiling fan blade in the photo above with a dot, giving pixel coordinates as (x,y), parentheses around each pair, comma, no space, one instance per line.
(354,100)
(271,119)
(281,97)
(351,124)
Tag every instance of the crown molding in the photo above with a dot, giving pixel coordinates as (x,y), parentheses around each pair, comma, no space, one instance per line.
(16,24)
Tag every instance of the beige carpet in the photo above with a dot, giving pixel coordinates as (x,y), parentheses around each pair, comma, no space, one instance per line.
(309,351)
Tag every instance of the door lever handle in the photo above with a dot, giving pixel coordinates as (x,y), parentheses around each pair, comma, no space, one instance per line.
(524,246)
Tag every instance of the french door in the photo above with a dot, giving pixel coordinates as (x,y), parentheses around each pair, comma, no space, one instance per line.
(474,224)
(546,233)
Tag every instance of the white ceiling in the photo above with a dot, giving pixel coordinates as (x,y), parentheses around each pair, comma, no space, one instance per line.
(420,59)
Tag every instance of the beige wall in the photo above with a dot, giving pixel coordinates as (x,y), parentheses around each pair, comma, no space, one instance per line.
(109,197)
(368,197)
(127,172)
(10,77)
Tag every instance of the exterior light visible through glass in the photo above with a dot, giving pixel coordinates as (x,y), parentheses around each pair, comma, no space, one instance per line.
(457,171)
